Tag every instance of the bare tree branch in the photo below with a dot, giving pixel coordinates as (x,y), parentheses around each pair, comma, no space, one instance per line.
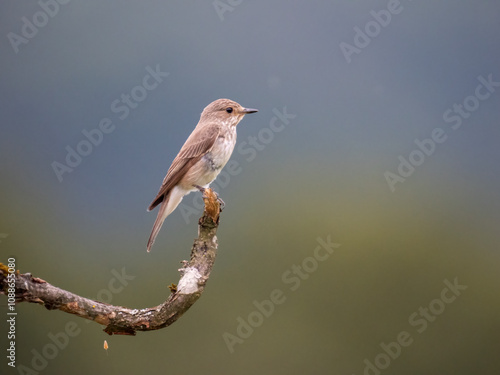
(121,320)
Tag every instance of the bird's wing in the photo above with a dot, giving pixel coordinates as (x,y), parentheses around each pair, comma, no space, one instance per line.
(198,144)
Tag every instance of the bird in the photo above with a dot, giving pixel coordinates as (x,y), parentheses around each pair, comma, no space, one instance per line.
(201,158)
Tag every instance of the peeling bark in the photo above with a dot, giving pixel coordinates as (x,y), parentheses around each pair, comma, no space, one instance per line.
(121,320)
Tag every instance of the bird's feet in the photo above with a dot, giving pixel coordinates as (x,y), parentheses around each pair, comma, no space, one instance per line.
(221,202)
(219,199)
(201,189)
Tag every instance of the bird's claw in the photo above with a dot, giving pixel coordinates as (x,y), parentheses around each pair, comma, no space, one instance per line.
(221,202)
(201,189)
(219,199)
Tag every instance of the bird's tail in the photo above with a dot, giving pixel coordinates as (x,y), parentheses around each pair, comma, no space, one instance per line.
(170,203)
(158,223)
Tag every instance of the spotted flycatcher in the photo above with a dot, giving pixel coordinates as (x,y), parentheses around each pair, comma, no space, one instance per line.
(201,159)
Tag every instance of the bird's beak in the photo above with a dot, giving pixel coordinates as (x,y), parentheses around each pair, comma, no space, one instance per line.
(249,110)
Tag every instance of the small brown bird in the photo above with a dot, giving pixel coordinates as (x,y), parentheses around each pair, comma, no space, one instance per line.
(201,159)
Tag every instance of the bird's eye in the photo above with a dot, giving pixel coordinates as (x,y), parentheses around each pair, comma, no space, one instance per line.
(229,110)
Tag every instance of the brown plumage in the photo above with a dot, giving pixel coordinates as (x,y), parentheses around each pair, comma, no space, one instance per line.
(200,159)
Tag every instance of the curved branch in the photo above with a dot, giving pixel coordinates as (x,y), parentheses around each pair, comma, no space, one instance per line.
(121,320)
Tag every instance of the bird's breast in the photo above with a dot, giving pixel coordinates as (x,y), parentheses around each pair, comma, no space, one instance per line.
(221,152)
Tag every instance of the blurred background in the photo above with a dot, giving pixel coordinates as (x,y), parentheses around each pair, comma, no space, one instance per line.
(345,91)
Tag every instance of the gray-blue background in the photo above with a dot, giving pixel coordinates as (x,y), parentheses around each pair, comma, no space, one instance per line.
(322,175)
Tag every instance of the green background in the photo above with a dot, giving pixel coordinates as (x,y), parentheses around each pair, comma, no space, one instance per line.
(321,176)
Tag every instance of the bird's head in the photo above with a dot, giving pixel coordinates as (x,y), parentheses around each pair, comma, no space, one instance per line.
(226,111)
